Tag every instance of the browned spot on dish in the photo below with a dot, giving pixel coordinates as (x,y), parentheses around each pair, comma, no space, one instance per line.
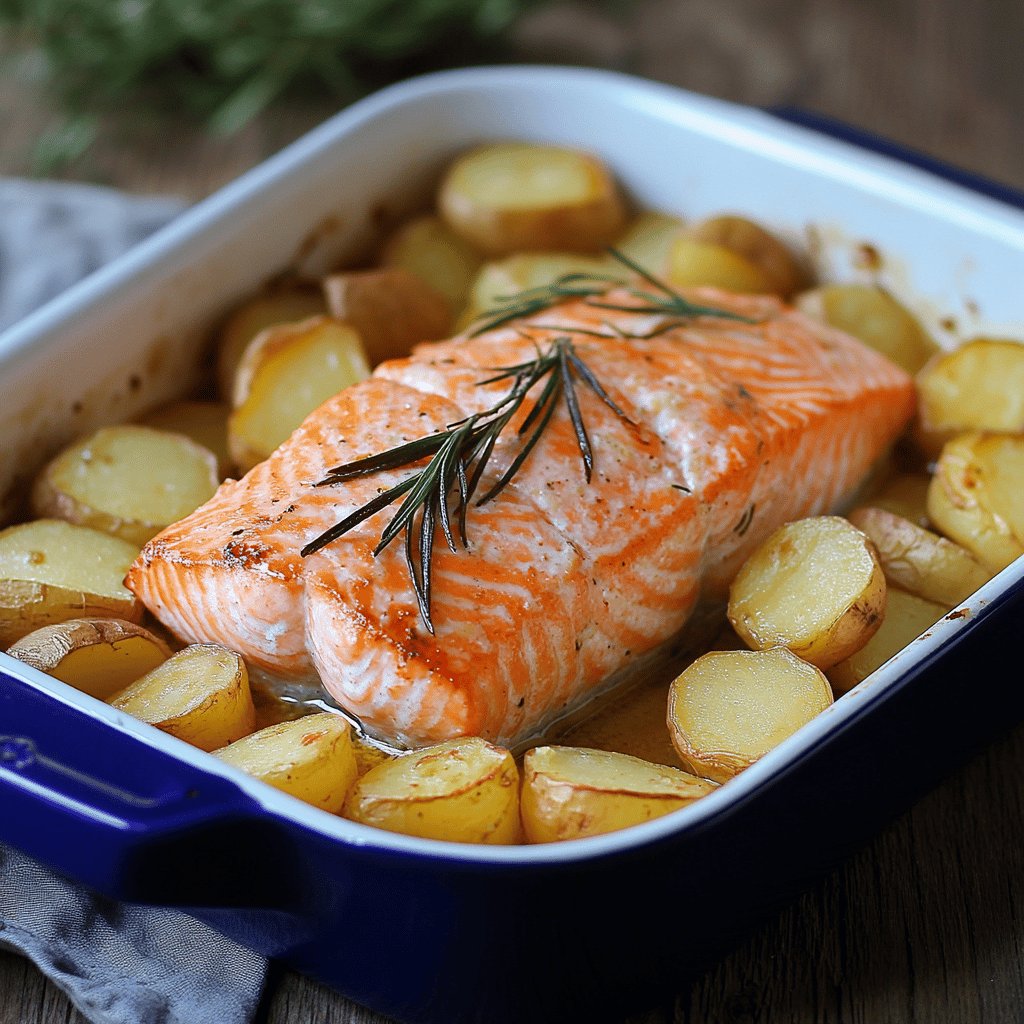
(960,613)
(320,233)
(867,257)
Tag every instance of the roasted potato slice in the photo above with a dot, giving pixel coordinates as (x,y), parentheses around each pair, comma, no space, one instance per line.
(97,656)
(692,262)
(128,481)
(285,374)
(906,618)
(464,791)
(391,310)
(648,239)
(871,314)
(206,423)
(906,495)
(976,496)
(510,196)
(201,695)
(731,707)
(777,263)
(52,571)
(573,792)
(427,247)
(979,386)
(283,306)
(814,586)
(310,758)
(920,561)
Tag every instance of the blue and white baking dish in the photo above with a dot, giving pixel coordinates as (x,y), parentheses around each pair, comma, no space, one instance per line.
(427,931)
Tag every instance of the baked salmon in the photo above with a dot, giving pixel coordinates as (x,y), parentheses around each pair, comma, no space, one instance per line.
(728,429)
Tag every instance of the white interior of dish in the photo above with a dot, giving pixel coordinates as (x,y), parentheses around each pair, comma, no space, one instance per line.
(131,335)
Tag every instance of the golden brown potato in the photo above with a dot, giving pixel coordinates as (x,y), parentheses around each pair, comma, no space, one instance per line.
(779,266)
(52,571)
(814,586)
(367,755)
(648,239)
(463,791)
(979,386)
(281,306)
(128,481)
(906,618)
(920,561)
(285,374)
(391,310)
(730,708)
(906,495)
(427,247)
(511,196)
(976,496)
(573,792)
(201,695)
(692,263)
(97,656)
(871,314)
(310,758)
(206,423)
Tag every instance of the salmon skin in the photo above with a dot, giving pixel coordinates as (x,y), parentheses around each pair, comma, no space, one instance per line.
(732,429)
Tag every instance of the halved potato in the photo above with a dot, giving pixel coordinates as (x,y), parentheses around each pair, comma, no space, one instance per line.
(98,656)
(814,586)
(427,247)
(920,561)
(509,196)
(464,791)
(871,314)
(205,422)
(692,262)
(906,618)
(52,571)
(573,792)
(285,374)
(391,310)
(979,386)
(976,496)
(906,495)
(772,257)
(310,758)
(201,695)
(281,306)
(128,481)
(731,707)
(648,239)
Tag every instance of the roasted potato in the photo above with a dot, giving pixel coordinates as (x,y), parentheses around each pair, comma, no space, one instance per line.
(731,707)
(976,496)
(511,196)
(906,618)
(281,306)
(427,247)
(573,792)
(464,791)
(128,481)
(284,375)
(875,317)
(814,586)
(206,423)
(692,263)
(391,310)
(906,495)
(920,561)
(310,758)
(201,695)
(779,267)
(648,239)
(52,571)
(97,656)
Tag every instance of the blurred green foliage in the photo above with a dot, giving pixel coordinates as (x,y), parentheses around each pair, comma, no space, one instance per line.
(225,60)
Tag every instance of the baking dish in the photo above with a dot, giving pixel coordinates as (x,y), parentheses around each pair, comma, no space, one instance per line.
(427,931)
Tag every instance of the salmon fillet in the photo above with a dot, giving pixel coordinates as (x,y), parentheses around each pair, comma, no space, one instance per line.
(730,430)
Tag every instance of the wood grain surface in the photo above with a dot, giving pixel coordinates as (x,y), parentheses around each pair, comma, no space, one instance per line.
(926,924)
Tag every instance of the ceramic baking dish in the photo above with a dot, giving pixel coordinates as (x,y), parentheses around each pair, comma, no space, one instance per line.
(421,930)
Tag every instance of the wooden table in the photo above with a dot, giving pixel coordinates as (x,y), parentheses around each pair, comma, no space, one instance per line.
(926,924)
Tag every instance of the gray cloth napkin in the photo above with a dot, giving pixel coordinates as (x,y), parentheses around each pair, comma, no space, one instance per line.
(118,964)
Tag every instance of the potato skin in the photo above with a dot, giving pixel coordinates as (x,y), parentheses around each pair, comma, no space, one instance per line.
(783,274)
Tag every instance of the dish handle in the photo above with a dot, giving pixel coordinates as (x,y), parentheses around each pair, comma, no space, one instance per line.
(109,810)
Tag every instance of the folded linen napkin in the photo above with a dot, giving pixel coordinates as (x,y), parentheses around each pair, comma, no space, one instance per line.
(118,964)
